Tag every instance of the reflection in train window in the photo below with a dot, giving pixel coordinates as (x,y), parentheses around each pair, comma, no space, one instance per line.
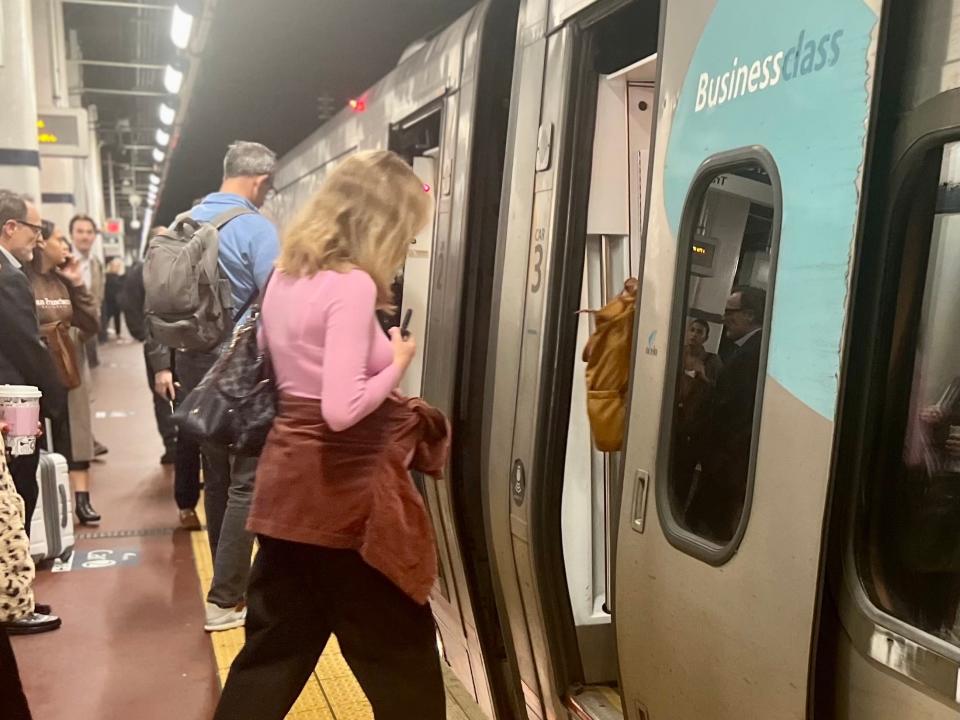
(726,281)
(909,535)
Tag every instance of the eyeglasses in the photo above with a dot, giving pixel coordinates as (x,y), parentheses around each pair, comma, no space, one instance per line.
(37,229)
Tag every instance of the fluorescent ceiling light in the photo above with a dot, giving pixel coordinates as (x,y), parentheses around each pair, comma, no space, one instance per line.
(167,114)
(180,27)
(172,79)
(154,179)
(159,155)
(163,138)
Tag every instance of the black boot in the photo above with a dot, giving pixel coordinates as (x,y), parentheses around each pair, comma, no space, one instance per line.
(85,511)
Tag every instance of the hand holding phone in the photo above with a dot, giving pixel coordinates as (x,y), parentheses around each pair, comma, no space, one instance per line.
(404,346)
(70,271)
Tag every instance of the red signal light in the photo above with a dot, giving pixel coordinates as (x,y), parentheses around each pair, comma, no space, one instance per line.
(358,105)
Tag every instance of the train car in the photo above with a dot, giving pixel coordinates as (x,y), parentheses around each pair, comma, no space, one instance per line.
(444,108)
(781,168)
(783,176)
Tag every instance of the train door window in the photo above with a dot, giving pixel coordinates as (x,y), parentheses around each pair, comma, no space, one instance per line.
(908,532)
(417,140)
(725,276)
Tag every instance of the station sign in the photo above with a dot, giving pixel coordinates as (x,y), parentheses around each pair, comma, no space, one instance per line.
(63,132)
(113,226)
(113,237)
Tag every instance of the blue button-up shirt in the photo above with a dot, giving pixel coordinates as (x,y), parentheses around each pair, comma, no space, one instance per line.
(249,244)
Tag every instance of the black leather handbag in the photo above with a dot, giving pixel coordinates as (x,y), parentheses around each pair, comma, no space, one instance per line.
(235,403)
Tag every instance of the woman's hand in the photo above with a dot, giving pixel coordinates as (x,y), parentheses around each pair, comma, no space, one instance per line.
(404,348)
(70,271)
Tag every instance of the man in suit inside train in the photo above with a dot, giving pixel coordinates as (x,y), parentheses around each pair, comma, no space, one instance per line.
(726,435)
(24,359)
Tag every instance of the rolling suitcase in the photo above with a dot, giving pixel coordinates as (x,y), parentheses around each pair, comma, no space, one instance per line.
(51,529)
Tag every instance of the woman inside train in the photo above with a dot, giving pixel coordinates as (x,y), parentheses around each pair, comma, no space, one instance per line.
(346,545)
(68,316)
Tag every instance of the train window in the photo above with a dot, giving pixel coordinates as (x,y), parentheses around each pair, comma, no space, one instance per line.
(908,534)
(729,231)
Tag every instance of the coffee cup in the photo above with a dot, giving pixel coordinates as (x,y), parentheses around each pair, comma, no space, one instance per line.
(20,410)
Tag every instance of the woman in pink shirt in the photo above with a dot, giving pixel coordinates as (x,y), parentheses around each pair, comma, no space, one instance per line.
(325,475)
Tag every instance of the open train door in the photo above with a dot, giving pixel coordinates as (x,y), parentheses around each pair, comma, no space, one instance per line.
(760,141)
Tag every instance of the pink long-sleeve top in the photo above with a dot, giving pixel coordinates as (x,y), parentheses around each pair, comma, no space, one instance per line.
(325,343)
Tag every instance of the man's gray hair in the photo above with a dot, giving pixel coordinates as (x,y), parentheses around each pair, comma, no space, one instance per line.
(13,206)
(248,159)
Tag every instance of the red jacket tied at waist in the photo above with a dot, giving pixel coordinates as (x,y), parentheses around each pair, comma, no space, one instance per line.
(352,489)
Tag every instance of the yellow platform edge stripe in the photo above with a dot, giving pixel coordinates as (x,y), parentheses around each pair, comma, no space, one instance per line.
(331,693)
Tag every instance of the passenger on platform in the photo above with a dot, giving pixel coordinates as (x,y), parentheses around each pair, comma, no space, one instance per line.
(68,316)
(16,593)
(182,452)
(346,545)
(111,297)
(83,235)
(249,246)
(725,436)
(24,360)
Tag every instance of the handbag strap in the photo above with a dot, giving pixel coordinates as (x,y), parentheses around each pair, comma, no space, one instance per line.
(256,297)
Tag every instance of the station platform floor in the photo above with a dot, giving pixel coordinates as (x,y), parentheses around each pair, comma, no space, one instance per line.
(132,643)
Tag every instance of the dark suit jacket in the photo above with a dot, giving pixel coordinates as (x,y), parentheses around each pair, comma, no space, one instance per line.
(24,359)
(132,302)
(729,429)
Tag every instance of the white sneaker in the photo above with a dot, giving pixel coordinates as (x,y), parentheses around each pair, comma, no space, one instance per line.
(219,618)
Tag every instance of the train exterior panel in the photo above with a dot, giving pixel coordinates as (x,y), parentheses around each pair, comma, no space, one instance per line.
(722,629)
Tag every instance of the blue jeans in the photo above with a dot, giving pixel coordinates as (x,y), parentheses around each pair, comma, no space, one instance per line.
(228,492)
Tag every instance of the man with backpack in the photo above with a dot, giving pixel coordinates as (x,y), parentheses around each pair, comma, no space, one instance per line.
(225,249)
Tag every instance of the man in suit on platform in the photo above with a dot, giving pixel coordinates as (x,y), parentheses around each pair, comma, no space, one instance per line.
(725,438)
(24,359)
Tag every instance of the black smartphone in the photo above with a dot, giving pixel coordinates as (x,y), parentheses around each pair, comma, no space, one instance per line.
(404,332)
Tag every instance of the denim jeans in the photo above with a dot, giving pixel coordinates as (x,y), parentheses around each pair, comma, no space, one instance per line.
(228,491)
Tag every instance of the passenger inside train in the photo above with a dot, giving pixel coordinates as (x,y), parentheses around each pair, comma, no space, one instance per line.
(498,366)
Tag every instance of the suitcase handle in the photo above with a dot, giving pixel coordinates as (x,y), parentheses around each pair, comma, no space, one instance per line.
(64,510)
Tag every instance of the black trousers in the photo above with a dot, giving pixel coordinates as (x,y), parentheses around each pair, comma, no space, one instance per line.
(161,411)
(299,595)
(12,700)
(23,469)
(186,474)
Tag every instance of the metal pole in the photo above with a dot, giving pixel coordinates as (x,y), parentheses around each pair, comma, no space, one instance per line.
(113,91)
(117,4)
(113,189)
(53,45)
(115,64)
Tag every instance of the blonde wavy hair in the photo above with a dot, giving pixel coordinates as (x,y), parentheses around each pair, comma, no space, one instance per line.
(364,216)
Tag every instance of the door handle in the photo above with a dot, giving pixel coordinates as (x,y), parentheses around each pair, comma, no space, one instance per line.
(641,488)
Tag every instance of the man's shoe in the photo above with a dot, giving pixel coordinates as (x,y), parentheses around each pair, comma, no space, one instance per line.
(32,624)
(169,457)
(99,448)
(189,520)
(219,618)
(41,609)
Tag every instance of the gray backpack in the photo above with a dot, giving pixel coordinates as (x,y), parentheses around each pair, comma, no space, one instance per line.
(188,305)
